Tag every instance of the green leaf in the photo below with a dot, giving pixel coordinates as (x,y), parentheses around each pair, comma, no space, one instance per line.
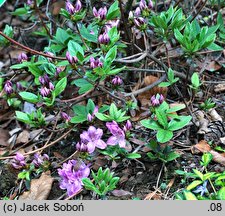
(176,108)
(221,194)
(194,184)
(74,48)
(78,119)
(90,106)
(164,84)
(215,47)
(2,2)
(61,35)
(103,117)
(114,11)
(115,71)
(161,117)
(111,54)
(189,195)
(88,184)
(60,86)
(23,117)
(29,97)
(206,159)
(172,156)
(195,80)
(199,174)
(179,123)
(164,135)
(133,156)
(151,124)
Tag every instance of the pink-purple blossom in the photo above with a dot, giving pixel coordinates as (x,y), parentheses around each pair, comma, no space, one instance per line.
(18,161)
(117,81)
(101,13)
(95,62)
(71,176)
(93,138)
(118,135)
(8,87)
(40,159)
(22,57)
(65,116)
(71,59)
(104,38)
(73,9)
(156,100)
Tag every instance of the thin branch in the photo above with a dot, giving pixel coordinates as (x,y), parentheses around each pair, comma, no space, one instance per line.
(35,52)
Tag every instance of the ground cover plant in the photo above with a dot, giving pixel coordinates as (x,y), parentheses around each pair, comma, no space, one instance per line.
(112,100)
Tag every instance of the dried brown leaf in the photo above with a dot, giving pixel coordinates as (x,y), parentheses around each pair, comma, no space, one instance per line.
(4,136)
(40,188)
(204,147)
(23,137)
(213,66)
(153,196)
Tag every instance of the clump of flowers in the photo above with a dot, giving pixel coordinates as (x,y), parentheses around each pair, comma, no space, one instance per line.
(73,9)
(71,59)
(118,135)
(156,100)
(72,174)
(47,86)
(91,139)
(18,161)
(40,160)
(94,63)
(100,14)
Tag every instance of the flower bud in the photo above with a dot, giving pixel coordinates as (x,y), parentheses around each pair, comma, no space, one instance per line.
(70,8)
(117,81)
(78,6)
(44,91)
(22,57)
(71,59)
(8,87)
(103,38)
(65,116)
(51,86)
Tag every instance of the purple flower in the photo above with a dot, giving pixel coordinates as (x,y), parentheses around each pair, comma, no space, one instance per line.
(90,117)
(143,5)
(139,21)
(44,80)
(70,8)
(8,87)
(71,176)
(22,57)
(39,159)
(18,161)
(103,38)
(118,135)
(44,91)
(78,6)
(65,116)
(81,147)
(50,54)
(95,63)
(101,13)
(137,12)
(157,100)
(128,125)
(30,2)
(117,81)
(71,59)
(58,71)
(92,138)
(202,189)
(110,24)
(51,86)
